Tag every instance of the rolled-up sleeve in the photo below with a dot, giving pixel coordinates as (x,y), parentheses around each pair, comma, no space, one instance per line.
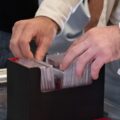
(58,10)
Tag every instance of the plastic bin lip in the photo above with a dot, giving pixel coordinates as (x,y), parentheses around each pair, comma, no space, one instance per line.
(3,94)
(3,75)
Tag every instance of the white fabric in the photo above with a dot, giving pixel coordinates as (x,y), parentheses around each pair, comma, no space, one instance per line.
(102,21)
(58,10)
(115,17)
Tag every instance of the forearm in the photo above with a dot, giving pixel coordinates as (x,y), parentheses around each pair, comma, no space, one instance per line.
(58,11)
(95,8)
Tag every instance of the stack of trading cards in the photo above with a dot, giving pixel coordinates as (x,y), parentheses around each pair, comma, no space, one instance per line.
(69,78)
(52,78)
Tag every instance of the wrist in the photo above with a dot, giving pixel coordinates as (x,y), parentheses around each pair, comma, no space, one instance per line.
(50,22)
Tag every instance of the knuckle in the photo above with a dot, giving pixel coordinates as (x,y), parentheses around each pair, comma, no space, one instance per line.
(18,23)
(22,41)
(12,44)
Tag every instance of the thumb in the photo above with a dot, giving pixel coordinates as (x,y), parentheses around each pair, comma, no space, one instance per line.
(42,49)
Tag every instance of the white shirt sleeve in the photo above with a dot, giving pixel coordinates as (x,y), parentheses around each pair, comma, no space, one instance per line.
(58,10)
(115,16)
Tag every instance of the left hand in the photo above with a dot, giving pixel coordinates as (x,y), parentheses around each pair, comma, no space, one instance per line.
(42,29)
(99,45)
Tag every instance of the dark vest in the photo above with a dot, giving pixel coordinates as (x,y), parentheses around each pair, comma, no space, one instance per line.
(14,10)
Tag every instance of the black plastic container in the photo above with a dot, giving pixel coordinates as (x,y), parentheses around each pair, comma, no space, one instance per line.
(27,102)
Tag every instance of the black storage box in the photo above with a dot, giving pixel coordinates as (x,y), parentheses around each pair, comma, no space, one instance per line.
(27,102)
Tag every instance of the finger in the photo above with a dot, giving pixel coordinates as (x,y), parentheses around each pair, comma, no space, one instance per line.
(73,53)
(83,60)
(95,67)
(24,41)
(14,47)
(42,48)
(77,41)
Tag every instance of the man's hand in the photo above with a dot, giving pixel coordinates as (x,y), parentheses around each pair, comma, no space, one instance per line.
(99,45)
(42,29)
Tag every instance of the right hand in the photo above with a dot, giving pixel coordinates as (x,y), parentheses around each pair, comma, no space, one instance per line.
(42,29)
(98,46)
